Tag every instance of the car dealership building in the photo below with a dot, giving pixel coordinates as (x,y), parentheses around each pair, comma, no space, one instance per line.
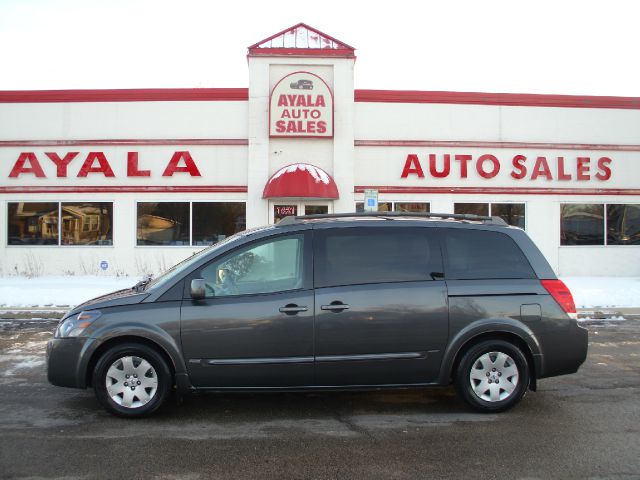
(131,181)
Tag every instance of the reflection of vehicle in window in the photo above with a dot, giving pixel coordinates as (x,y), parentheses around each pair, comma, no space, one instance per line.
(302,84)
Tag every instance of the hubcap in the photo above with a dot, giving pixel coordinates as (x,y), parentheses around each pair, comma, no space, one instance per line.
(131,382)
(494,376)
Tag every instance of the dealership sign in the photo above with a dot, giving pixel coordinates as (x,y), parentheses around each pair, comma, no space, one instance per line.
(301,105)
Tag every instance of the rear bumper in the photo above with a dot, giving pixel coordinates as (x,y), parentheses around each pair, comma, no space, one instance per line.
(564,352)
(63,362)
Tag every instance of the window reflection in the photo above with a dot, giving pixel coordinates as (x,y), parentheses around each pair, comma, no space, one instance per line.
(623,224)
(33,223)
(581,224)
(215,221)
(163,223)
(512,213)
(87,223)
(481,209)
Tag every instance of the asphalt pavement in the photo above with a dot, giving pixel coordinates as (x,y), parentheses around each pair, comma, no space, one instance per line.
(585,425)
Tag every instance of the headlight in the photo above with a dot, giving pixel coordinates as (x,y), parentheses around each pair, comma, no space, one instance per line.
(76,324)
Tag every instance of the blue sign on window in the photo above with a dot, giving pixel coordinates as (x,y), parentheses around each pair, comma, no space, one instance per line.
(104,265)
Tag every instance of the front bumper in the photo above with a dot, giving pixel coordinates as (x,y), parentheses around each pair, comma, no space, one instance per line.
(64,362)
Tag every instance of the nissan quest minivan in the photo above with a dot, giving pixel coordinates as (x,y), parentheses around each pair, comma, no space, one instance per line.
(332,302)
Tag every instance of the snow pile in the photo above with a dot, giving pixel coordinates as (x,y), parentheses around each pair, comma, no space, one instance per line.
(57,290)
(604,292)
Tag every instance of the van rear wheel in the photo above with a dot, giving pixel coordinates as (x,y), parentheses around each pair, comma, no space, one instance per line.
(132,380)
(492,376)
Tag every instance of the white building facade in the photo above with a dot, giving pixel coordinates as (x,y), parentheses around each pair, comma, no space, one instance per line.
(131,181)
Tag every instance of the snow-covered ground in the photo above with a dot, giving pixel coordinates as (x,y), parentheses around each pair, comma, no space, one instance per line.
(588,292)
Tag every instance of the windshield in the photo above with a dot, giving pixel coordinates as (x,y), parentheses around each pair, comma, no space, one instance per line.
(185,264)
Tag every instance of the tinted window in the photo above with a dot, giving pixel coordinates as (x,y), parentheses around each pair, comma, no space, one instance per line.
(272,266)
(33,223)
(479,254)
(512,213)
(350,256)
(215,221)
(623,224)
(481,209)
(87,223)
(163,223)
(581,224)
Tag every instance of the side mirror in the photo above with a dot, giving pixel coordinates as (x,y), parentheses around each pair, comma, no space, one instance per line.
(197,288)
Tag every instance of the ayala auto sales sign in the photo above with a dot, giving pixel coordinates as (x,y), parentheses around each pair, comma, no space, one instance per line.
(301,106)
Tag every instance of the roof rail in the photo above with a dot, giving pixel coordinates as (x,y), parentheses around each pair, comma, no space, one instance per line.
(391,215)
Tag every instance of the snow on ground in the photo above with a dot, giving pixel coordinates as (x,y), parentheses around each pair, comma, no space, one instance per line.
(57,290)
(588,292)
(604,292)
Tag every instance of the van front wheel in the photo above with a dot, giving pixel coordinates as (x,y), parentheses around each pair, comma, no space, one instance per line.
(132,380)
(492,376)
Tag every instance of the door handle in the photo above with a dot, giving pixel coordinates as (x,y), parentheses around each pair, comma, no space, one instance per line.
(335,307)
(292,309)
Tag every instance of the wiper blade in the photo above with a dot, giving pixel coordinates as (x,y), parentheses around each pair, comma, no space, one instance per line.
(139,287)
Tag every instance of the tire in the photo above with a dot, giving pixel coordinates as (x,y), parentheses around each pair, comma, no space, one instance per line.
(146,374)
(492,376)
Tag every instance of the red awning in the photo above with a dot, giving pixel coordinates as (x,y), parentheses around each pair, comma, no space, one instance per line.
(300,180)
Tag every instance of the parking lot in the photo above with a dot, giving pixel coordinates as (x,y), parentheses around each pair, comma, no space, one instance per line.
(585,425)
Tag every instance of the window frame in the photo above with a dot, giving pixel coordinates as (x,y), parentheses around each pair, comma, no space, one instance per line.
(59,217)
(190,202)
(605,223)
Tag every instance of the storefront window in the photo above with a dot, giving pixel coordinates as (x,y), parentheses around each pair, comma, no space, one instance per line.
(87,223)
(214,221)
(481,209)
(581,224)
(33,223)
(414,207)
(623,224)
(163,223)
(512,213)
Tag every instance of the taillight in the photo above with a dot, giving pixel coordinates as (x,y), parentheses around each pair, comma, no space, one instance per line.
(561,294)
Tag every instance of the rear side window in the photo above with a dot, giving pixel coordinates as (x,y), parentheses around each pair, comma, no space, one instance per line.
(480,254)
(351,256)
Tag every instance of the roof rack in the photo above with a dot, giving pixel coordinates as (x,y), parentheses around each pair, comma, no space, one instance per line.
(391,215)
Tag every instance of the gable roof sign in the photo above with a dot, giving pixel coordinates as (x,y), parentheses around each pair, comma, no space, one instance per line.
(300,41)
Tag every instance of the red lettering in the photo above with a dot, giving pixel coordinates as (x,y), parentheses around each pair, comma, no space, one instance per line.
(102,167)
(583,168)
(311,127)
(541,168)
(189,165)
(480,166)
(603,167)
(320,101)
(322,126)
(282,101)
(519,169)
(61,163)
(464,160)
(20,167)
(132,166)
(562,175)
(412,166)
(285,114)
(280,128)
(291,127)
(446,168)
(292,100)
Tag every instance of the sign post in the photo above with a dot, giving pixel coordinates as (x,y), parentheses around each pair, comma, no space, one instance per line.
(370,200)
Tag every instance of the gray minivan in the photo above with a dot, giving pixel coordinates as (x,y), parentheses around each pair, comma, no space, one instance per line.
(325,302)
